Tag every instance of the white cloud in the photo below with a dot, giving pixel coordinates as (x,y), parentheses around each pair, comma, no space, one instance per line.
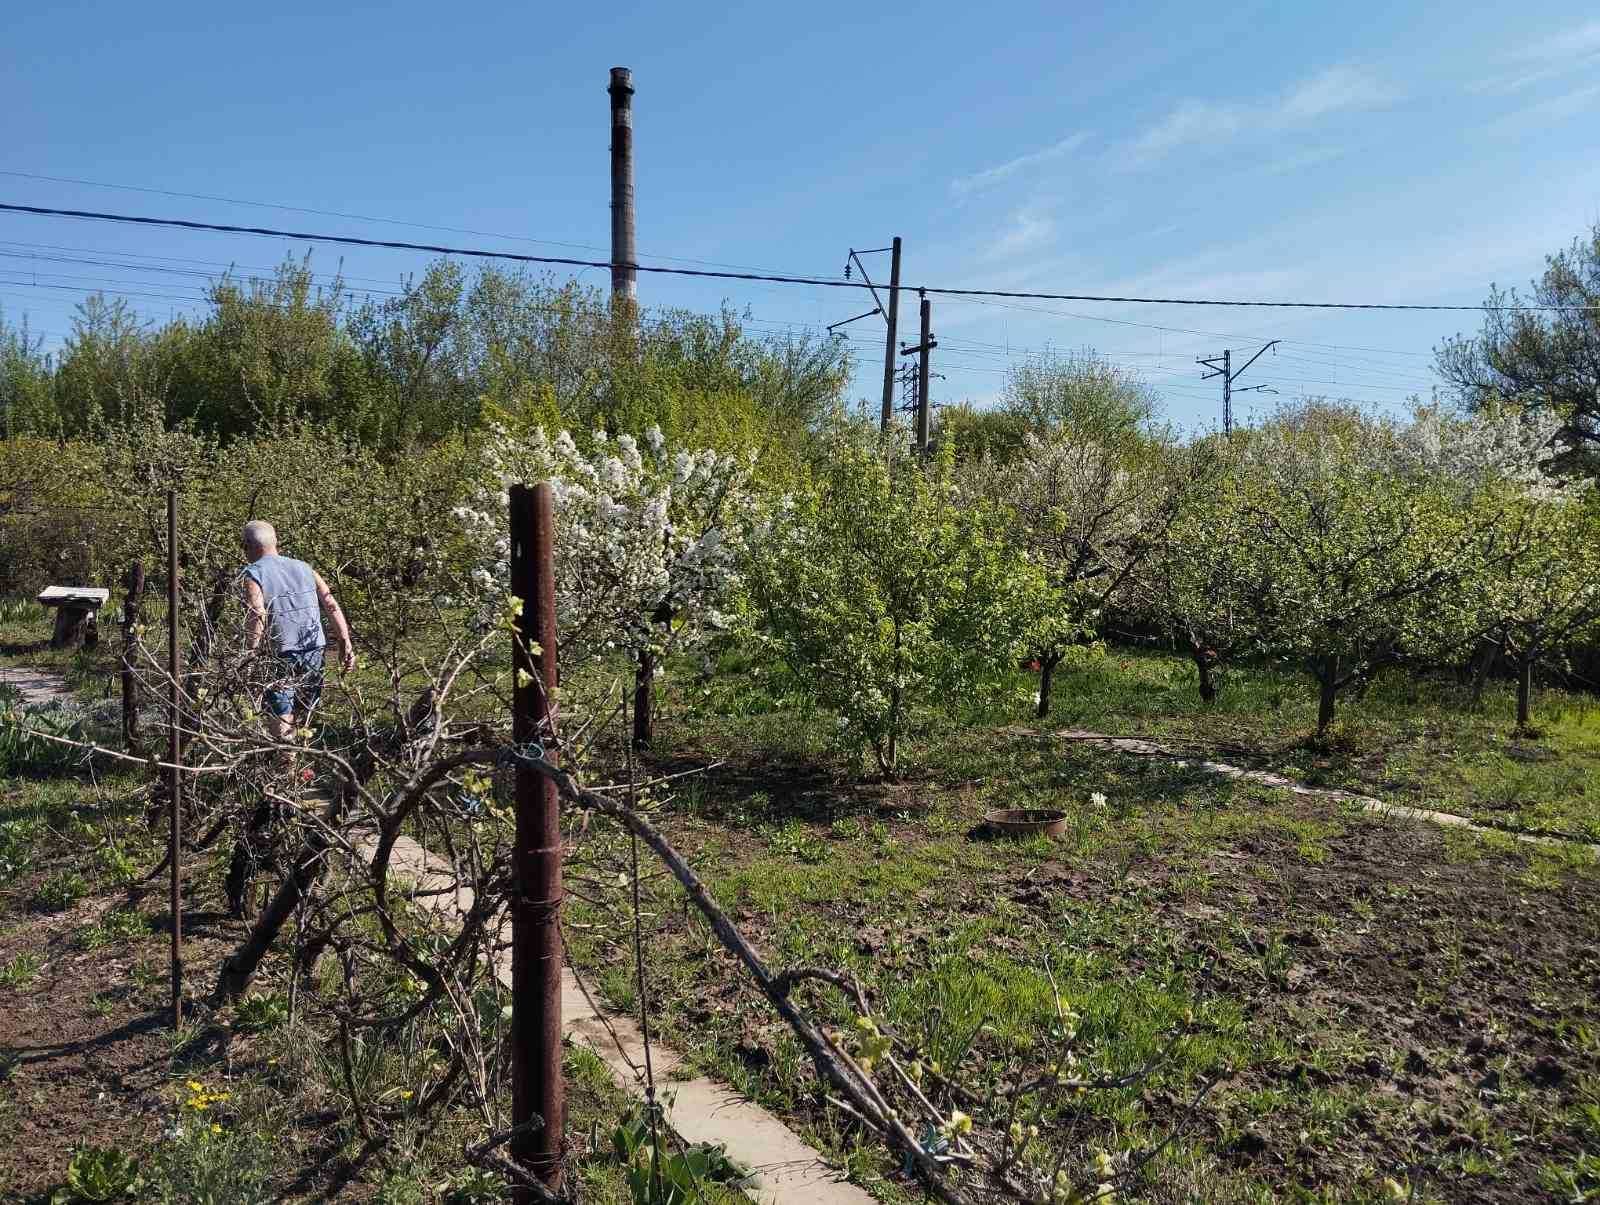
(1578,42)
(1336,90)
(963,186)
(1547,58)
(1310,157)
(1556,108)
(1027,231)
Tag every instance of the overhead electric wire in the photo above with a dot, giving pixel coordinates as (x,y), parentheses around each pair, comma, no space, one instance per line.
(354,217)
(812,281)
(1180,330)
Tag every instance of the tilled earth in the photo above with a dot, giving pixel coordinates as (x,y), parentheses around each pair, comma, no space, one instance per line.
(1442,996)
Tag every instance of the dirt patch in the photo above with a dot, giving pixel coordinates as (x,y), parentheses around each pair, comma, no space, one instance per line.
(1444,1006)
(85,1047)
(1416,1003)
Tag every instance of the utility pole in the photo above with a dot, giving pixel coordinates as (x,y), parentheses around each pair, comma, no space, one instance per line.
(891,315)
(888,344)
(1225,370)
(922,351)
(624,271)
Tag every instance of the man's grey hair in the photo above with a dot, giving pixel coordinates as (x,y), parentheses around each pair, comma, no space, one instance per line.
(259,536)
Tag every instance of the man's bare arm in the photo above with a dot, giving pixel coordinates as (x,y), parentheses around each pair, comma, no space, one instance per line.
(255,619)
(341,629)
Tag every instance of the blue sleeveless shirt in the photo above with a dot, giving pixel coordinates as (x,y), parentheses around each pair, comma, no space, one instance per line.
(289,589)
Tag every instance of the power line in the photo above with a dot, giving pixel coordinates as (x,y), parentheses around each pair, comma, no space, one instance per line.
(1184,330)
(813,281)
(353,217)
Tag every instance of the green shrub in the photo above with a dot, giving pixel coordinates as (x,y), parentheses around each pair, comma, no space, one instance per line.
(96,1173)
(206,1163)
(60,891)
(21,970)
(884,591)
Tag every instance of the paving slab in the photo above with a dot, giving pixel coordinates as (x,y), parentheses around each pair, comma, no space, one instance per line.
(786,1170)
(36,687)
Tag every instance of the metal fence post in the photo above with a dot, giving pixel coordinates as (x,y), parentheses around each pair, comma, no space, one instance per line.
(174,753)
(536,934)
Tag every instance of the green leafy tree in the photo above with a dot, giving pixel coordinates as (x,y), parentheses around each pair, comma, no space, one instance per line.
(27,402)
(1546,359)
(1088,514)
(272,351)
(1366,563)
(1547,594)
(1205,584)
(885,590)
(114,366)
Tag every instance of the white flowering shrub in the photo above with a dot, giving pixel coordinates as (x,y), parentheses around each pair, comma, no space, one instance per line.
(1493,445)
(642,548)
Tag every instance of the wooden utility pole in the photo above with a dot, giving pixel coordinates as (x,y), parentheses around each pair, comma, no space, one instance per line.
(893,318)
(624,273)
(536,1086)
(174,753)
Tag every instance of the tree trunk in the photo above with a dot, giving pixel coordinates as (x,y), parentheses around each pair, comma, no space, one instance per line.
(1525,693)
(889,758)
(644,716)
(1047,677)
(1204,663)
(133,601)
(1483,658)
(239,968)
(1328,681)
(242,866)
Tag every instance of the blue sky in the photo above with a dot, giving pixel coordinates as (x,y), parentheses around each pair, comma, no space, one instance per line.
(1402,153)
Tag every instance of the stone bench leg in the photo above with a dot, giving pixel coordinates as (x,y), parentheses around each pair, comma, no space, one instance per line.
(75,627)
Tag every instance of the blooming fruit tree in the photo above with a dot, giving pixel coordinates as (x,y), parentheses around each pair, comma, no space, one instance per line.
(1089,513)
(643,557)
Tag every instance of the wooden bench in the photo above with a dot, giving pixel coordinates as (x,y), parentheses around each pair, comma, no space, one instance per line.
(76,608)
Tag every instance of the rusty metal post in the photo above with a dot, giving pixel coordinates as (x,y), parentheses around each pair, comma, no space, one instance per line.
(174,752)
(624,276)
(535,932)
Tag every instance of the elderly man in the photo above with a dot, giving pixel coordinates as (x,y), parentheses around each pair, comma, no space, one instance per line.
(287,598)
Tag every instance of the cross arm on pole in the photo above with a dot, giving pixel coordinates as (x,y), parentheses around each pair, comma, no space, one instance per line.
(832,327)
(1254,358)
(872,288)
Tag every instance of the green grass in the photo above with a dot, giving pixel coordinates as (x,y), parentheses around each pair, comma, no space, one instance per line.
(1328,968)
(1246,908)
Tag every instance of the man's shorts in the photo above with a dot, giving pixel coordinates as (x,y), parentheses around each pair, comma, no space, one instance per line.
(298,683)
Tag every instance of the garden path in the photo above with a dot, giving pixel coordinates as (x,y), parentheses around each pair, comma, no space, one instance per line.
(787,1171)
(1144,748)
(36,687)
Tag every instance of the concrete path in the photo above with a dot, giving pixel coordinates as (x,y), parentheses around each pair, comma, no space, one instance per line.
(35,686)
(1144,748)
(787,1171)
